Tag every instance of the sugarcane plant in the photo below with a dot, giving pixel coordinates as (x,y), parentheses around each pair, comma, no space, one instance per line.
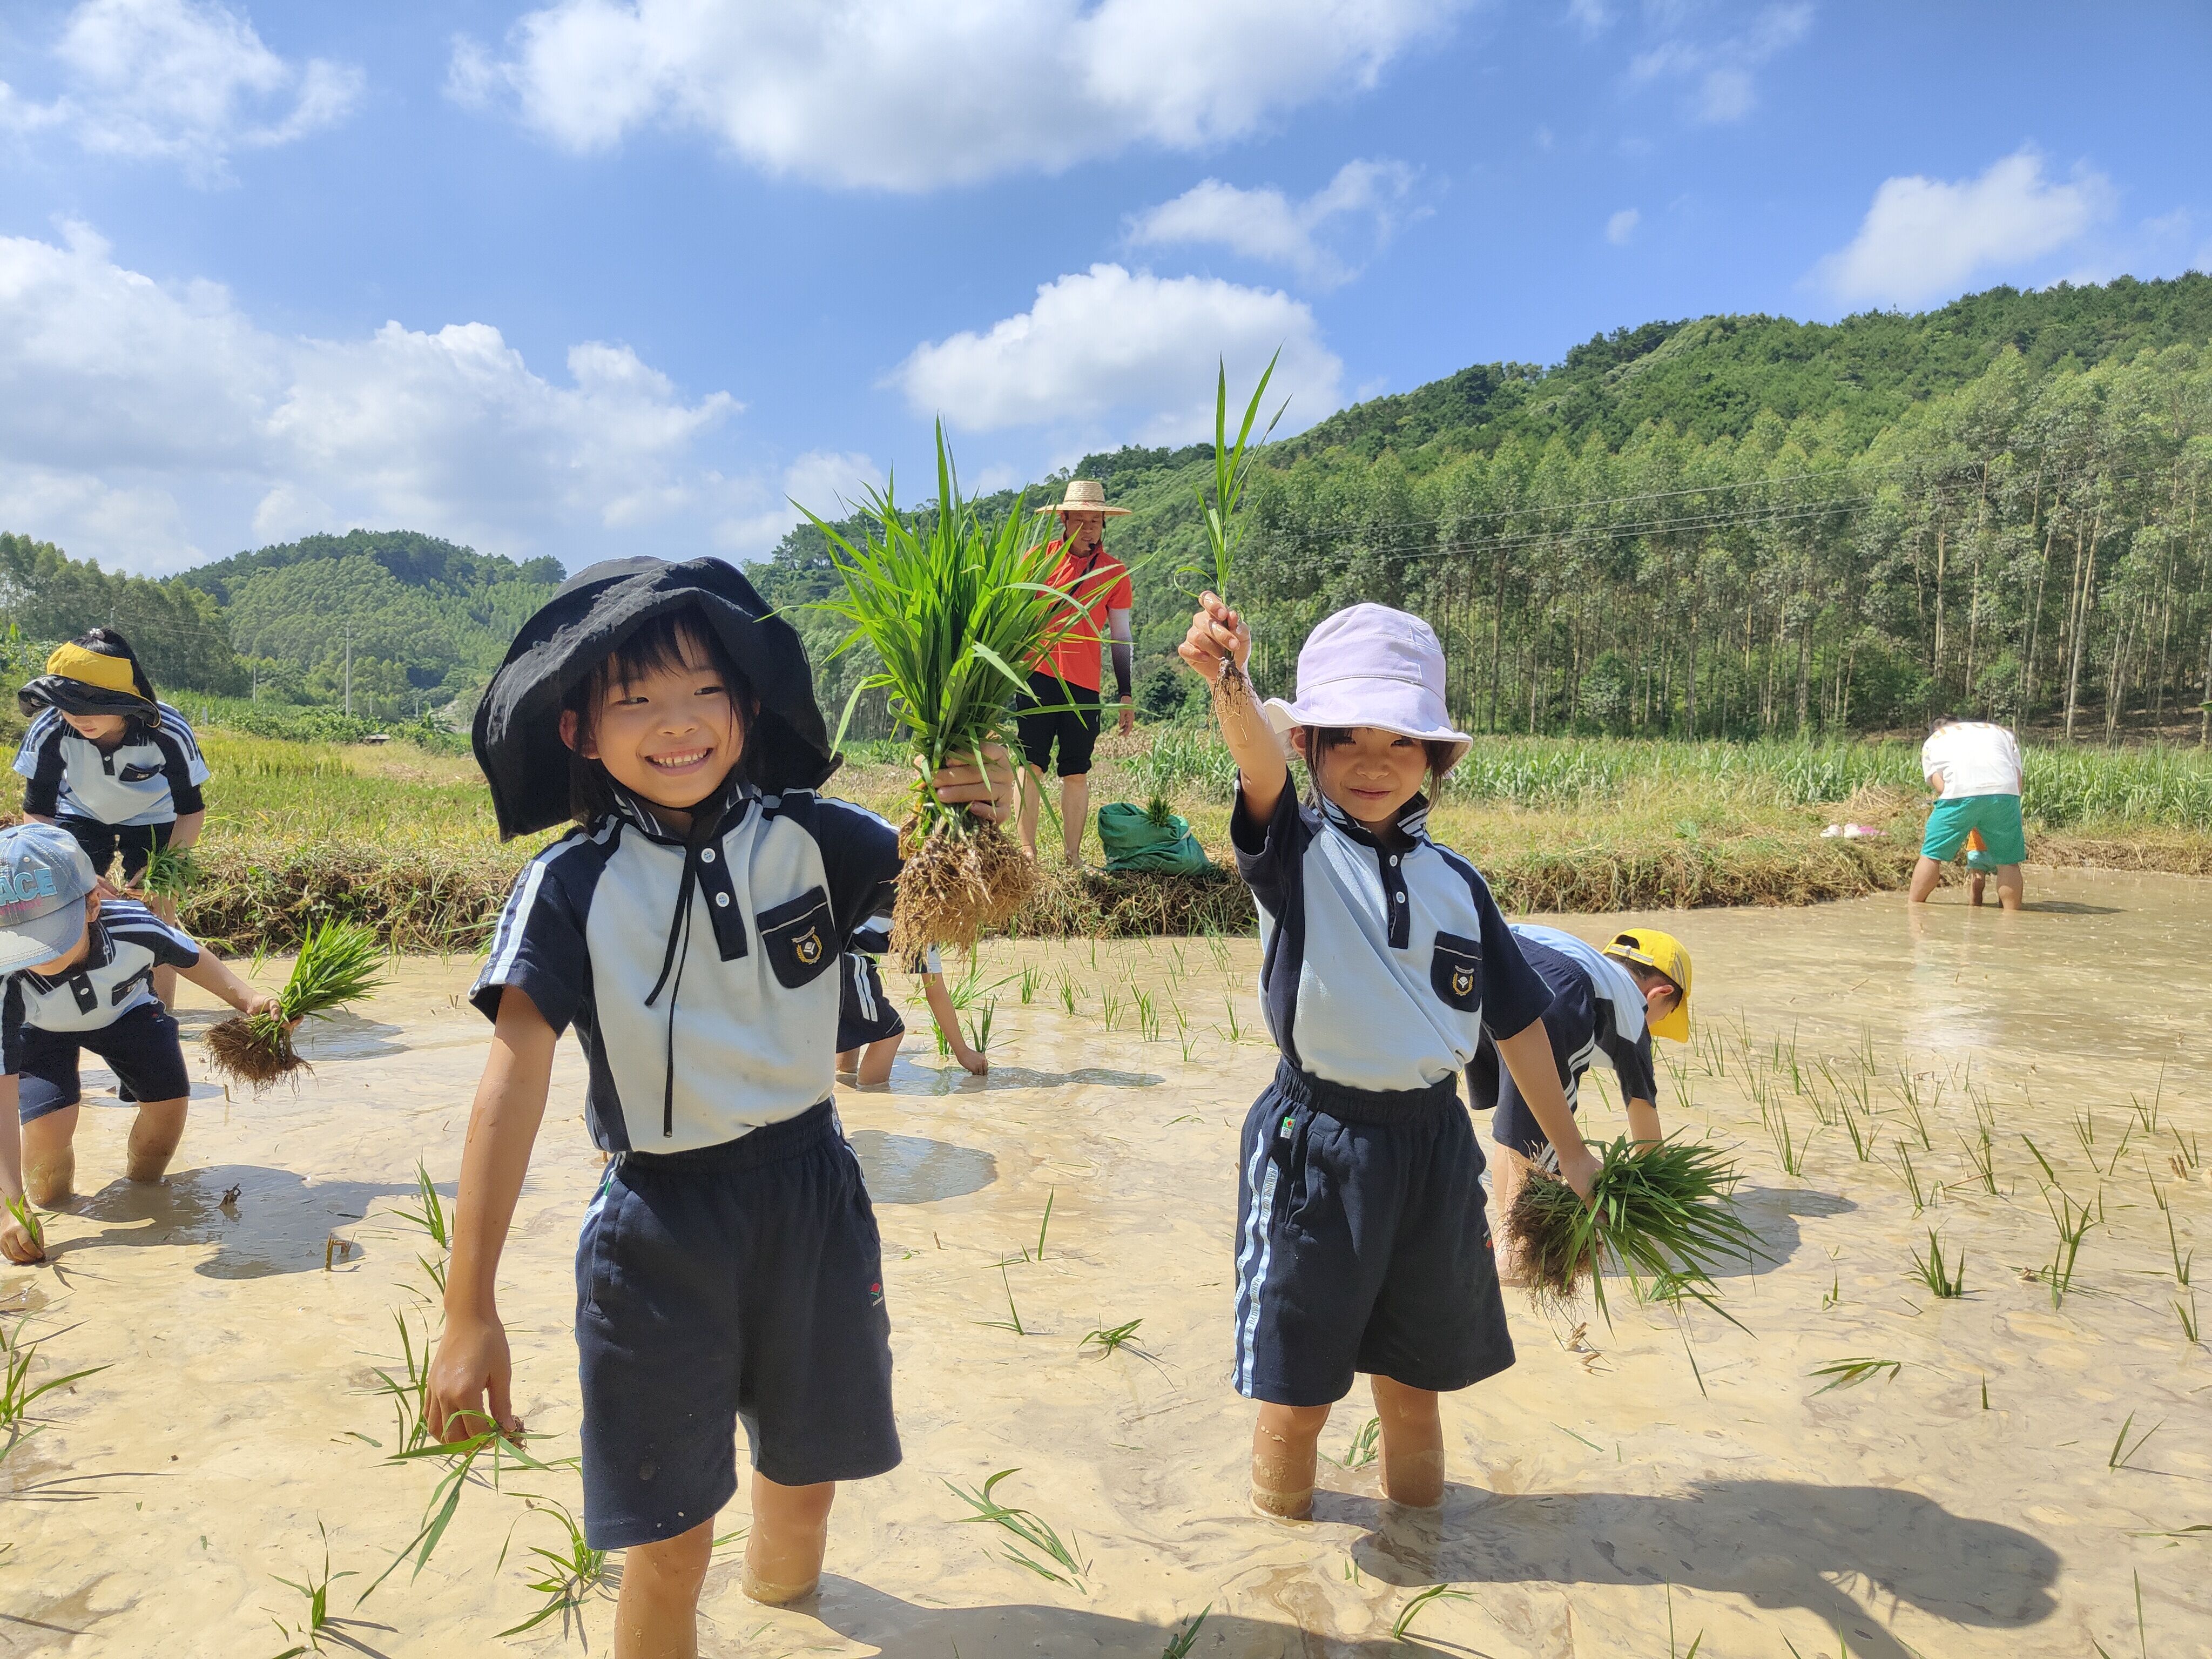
(338,964)
(955,609)
(1664,1212)
(1232,470)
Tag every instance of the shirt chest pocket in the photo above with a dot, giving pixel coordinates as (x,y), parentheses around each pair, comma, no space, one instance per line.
(1456,973)
(798,939)
(135,774)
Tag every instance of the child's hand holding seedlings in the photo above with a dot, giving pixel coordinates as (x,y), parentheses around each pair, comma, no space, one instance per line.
(986,789)
(1218,636)
(17,1242)
(1216,633)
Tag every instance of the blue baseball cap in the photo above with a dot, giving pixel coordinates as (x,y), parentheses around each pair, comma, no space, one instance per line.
(44,878)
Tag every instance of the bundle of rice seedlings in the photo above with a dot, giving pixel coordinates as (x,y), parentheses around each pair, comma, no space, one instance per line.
(1663,1210)
(338,963)
(955,609)
(1159,813)
(1232,470)
(172,872)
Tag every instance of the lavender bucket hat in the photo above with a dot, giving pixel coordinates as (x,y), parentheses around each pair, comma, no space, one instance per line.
(1371,665)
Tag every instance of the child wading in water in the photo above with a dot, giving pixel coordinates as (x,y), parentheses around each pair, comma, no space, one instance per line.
(689,929)
(869,1027)
(1361,1239)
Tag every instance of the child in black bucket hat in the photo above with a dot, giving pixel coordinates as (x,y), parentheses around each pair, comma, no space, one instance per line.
(688,929)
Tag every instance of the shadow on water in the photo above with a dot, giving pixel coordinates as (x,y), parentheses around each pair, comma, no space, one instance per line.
(907,1079)
(908,1169)
(276,1224)
(2070,908)
(902,1630)
(1778,1543)
(341,1035)
(1772,1213)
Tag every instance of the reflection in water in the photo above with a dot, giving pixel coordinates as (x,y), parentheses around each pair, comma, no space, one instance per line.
(907,1169)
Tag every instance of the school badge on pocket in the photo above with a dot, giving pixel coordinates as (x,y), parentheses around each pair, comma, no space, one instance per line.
(809,946)
(1462,981)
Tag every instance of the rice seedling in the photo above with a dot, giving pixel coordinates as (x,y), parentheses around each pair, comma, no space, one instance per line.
(1982,1154)
(1114,1339)
(1180,1644)
(1044,1225)
(979,1028)
(431,1218)
(461,1457)
(1697,1643)
(1653,1210)
(572,1576)
(1911,1177)
(1012,1322)
(1216,945)
(338,964)
(1946,1280)
(955,610)
(2189,1155)
(1849,1373)
(1066,993)
(17,1396)
(1365,1447)
(1031,1534)
(1232,470)
(317,1594)
(1788,1148)
(1148,1016)
(1420,1604)
(2072,1222)
(2181,1263)
(172,872)
(1235,1031)
(1860,1130)
(2035,1151)
(2123,1454)
(1109,1008)
(1030,978)
(2187,1311)
(409,1394)
(28,1218)
(2085,1131)
(2148,1115)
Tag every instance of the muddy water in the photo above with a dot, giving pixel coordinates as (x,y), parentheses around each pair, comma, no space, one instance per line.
(1965,1504)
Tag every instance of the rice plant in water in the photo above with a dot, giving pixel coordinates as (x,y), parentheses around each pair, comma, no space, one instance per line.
(1112,1339)
(461,1457)
(338,963)
(1849,1373)
(1420,1604)
(1029,1533)
(1180,1644)
(2123,1454)
(28,1218)
(1662,1209)
(317,1591)
(1365,1447)
(571,1576)
(1944,1280)
(17,1396)
(955,609)
(1232,470)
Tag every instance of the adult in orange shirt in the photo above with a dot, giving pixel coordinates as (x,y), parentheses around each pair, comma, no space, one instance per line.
(1068,714)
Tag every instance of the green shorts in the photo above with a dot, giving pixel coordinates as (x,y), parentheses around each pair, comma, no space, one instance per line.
(1997,816)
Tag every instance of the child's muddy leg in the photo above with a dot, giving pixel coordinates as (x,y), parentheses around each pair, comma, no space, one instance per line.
(2012,886)
(1413,1445)
(1284,1451)
(791,1528)
(154,1137)
(657,1613)
(50,1156)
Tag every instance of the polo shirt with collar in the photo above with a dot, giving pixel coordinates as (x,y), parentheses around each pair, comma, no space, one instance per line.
(703,1022)
(154,778)
(128,942)
(1618,1029)
(1380,968)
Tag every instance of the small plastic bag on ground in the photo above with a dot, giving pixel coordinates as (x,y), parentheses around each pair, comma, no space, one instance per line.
(1132,840)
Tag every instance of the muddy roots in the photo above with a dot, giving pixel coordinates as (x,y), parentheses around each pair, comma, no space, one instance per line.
(1541,1231)
(253,1051)
(961,879)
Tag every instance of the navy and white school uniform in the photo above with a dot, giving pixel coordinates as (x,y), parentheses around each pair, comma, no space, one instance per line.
(123,799)
(729,1268)
(1362,1240)
(864,1013)
(1597,1008)
(106,1003)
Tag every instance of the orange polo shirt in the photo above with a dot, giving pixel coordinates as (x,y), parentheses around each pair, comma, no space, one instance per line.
(1098,586)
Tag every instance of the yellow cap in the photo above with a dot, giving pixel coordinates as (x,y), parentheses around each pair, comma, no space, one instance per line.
(93,668)
(1664,953)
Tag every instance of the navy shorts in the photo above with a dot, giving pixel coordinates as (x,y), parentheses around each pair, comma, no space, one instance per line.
(864,1014)
(140,1048)
(1049,713)
(1362,1244)
(103,841)
(1571,1022)
(738,1282)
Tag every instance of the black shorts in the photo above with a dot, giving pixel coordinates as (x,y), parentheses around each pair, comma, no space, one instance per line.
(738,1282)
(1075,729)
(1362,1244)
(864,1014)
(142,1050)
(102,841)
(1571,1022)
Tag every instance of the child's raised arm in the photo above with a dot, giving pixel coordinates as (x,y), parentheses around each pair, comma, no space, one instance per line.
(473,1359)
(1216,634)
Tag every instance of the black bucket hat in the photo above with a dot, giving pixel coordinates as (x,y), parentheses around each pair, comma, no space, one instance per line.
(517,733)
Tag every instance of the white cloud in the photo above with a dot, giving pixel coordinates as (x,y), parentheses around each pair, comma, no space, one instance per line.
(187,81)
(1264,224)
(1924,239)
(1721,74)
(140,422)
(902,95)
(1622,225)
(1109,356)
(826,482)
(1592,17)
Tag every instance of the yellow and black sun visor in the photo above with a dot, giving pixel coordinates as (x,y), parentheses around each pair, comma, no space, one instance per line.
(82,682)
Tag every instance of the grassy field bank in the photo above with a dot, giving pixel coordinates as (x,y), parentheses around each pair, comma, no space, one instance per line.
(404,839)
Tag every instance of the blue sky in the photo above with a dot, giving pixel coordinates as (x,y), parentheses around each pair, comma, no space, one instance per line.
(605,275)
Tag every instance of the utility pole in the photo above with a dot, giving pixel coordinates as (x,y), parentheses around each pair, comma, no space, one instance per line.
(349,671)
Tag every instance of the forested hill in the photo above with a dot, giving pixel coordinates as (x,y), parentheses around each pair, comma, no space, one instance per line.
(1742,524)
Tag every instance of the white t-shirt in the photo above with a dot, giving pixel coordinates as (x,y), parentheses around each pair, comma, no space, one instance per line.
(1973,758)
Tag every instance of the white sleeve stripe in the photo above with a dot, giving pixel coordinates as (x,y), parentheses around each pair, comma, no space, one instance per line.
(514,922)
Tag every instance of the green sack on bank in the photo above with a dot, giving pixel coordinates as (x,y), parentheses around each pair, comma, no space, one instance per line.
(1132,840)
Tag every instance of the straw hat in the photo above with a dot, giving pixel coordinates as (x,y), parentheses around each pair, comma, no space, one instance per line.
(1086,496)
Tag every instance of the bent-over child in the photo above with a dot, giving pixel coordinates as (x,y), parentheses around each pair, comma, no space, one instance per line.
(110,762)
(1361,1243)
(1610,1002)
(688,929)
(869,1024)
(80,971)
